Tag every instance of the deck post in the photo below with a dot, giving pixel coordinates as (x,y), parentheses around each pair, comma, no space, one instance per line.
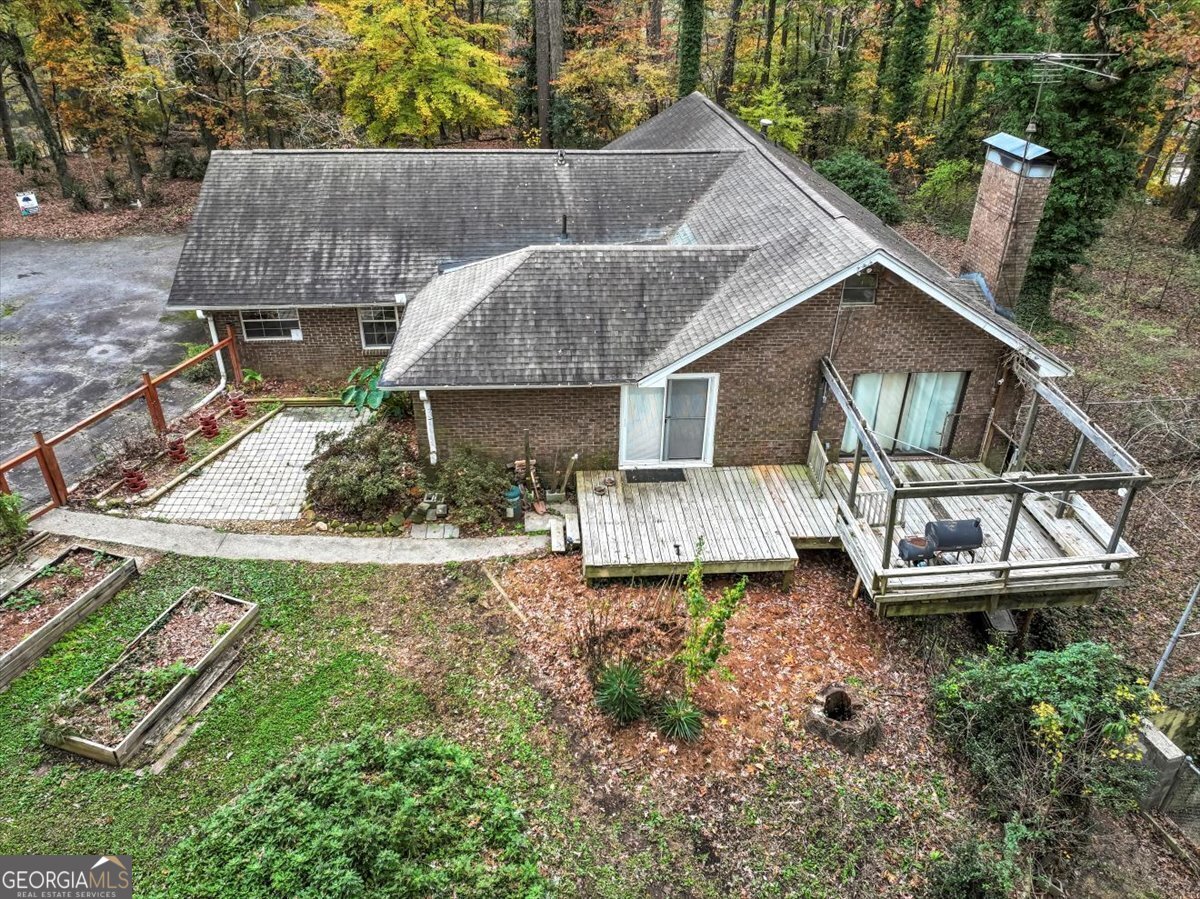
(153,404)
(854,475)
(888,530)
(1119,525)
(1010,531)
(1018,458)
(1076,455)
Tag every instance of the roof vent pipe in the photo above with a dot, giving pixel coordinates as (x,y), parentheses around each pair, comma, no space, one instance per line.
(763,125)
(563,236)
(561,158)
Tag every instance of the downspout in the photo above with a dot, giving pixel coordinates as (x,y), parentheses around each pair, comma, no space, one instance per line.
(212,330)
(429,427)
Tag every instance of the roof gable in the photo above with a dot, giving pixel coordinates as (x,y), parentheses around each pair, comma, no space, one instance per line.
(555,315)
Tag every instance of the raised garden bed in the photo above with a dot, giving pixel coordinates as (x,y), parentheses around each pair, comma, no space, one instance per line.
(40,608)
(110,718)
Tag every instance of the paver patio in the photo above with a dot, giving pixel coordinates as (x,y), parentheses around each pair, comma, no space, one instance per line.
(263,477)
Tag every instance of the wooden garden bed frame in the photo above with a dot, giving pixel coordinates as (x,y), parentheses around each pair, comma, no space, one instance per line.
(16,660)
(132,741)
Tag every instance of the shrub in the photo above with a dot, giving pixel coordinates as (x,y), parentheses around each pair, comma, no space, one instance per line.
(679,719)
(367,474)
(80,201)
(201,372)
(13,523)
(181,162)
(473,484)
(704,643)
(620,692)
(975,870)
(367,818)
(865,181)
(947,197)
(27,157)
(1051,737)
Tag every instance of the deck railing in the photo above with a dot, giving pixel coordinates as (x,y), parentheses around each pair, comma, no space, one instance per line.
(42,450)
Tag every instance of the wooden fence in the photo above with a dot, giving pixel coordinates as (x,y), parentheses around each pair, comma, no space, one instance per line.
(43,448)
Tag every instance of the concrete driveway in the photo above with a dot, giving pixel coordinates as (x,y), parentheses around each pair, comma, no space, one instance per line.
(78,323)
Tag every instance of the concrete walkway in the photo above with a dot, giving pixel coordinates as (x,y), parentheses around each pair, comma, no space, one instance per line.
(192,540)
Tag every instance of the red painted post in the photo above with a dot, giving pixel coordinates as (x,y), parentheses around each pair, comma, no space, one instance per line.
(235,362)
(153,406)
(4,484)
(51,473)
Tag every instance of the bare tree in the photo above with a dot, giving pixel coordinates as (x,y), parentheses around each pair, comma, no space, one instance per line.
(548,41)
(12,53)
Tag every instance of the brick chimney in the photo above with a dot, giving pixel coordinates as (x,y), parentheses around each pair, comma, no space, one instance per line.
(1008,208)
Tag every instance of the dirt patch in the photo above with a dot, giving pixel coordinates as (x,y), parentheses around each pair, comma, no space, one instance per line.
(171,209)
(27,609)
(784,647)
(108,709)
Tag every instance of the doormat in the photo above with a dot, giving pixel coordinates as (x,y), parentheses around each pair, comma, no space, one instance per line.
(654,475)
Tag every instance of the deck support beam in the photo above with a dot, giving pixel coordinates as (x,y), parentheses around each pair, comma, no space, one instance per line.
(1010,530)
(889,529)
(885,471)
(1018,458)
(1119,525)
(1076,455)
(858,454)
(1099,438)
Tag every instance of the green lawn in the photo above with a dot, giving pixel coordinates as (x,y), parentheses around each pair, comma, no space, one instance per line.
(337,648)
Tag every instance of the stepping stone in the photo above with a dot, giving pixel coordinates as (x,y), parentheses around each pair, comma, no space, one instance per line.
(537,521)
(573,530)
(558,535)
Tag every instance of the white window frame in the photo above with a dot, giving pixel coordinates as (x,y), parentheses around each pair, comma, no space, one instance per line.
(298,330)
(874,290)
(710,427)
(362,332)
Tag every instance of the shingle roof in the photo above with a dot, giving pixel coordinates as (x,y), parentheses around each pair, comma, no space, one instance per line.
(555,315)
(808,228)
(324,227)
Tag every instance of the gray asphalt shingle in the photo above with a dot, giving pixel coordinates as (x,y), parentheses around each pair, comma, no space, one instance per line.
(351,227)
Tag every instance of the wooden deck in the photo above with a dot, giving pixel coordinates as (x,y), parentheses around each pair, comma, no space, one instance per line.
(1053,561)
(751,519)
(756,518)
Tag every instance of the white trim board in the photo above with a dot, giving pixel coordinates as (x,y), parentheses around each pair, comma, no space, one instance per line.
(1047,366)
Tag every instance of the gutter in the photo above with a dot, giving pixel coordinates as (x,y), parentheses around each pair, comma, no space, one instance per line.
(429,427)
(212,330)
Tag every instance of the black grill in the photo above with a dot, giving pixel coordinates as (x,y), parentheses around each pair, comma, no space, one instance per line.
(954,536)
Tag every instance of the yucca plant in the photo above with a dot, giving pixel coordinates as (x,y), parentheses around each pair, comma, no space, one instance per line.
(620,692)
(679,719)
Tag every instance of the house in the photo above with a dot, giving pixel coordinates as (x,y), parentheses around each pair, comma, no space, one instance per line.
(694,310)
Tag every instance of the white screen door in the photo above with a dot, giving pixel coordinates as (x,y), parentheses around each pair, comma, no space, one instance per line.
(687,412)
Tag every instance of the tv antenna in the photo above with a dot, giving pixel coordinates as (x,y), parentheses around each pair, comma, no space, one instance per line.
(1051,68)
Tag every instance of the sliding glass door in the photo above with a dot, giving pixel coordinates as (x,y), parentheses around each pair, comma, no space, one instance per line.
(671,425)
(907,411)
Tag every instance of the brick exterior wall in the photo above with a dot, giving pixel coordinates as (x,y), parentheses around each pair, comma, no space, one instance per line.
(1003,267)
(568,420)
(331,348)
(768,385)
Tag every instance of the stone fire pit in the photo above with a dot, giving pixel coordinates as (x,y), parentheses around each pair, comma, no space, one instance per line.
(841,717)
